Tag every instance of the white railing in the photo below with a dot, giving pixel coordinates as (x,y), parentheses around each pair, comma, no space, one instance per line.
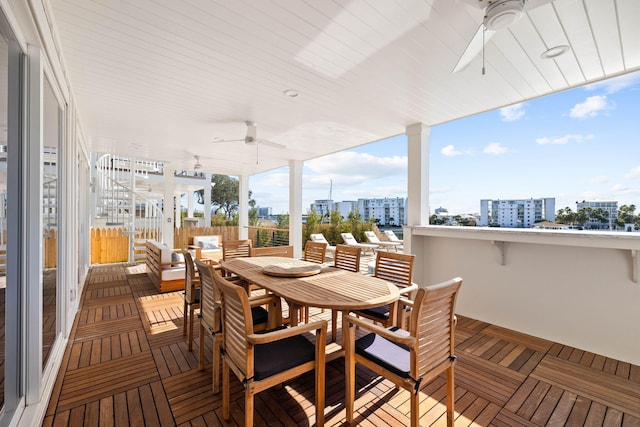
(573,287)
(121,205)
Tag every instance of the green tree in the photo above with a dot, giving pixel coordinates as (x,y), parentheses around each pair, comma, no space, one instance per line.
(626,215)
(253,210)
(566,216)
(335,228)
(434,220)
(313,219)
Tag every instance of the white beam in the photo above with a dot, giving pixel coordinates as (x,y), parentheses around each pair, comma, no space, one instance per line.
(418,174)
(207,200)
(243,207)
(295,207)
(167,206)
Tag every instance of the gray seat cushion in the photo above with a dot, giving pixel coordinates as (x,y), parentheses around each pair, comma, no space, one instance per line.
(392,356)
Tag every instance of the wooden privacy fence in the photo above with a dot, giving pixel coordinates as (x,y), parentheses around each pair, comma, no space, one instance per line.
(109,245)
(181,236)
(50,248)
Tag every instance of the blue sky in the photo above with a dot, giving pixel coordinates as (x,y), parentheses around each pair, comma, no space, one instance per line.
(579,144)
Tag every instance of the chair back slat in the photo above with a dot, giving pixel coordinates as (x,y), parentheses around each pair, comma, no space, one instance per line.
(209,298)
(237,323)
(315,251)
(281,251)
(395,267)
(432,322)
(347,258)
(190,279)
(236,249)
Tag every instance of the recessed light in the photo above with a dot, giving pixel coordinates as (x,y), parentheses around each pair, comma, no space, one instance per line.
(291,93)
(555,51)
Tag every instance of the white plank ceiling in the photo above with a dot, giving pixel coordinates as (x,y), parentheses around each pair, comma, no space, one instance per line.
(162,79)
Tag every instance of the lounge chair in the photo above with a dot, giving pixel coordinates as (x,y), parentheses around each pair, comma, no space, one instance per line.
(373,238)
(349,240)
(319,237)
(392,237)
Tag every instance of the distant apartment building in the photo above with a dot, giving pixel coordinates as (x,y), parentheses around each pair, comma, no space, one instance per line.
(387,211)
(344,208)
(609,206)
(264,213)
(322,207)
(517,213)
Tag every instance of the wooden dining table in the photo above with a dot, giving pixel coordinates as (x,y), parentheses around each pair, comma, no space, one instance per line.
(314,286)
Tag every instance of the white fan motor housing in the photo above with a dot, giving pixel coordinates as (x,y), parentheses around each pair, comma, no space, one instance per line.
(503,13)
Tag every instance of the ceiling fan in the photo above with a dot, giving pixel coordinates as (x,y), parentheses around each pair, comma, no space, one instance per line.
(251,137)
(198,165)
(499,14)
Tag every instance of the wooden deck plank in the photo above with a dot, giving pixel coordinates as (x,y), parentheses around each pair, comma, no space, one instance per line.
(127,363)
(607,389)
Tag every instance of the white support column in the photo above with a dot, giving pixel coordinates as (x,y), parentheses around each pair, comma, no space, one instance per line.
(418,174)
(295,207)
(190,203)
(243,207)
(168,211)
(178,209)
(207,200)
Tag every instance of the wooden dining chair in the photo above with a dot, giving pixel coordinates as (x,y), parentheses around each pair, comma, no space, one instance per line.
(211,321)
(396,268)
(315,251)
(347,258)
(191,296)
(281,251)
(261,361)
(236,248)
(409,358)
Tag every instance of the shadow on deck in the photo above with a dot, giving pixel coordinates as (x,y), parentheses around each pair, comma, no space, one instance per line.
(127,363)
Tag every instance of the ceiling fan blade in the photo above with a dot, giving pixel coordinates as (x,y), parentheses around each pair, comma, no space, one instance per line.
(227,140)
(271,143)
(473,48)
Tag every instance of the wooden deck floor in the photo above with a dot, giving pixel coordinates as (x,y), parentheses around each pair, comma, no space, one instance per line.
(127,363)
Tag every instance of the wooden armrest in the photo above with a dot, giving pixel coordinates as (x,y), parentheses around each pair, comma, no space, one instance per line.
(172,264)
(379,330)
(320,325)
(258,300)
(409,289)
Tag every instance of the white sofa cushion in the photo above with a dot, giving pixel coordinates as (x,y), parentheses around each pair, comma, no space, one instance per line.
(207,242)
(173,274)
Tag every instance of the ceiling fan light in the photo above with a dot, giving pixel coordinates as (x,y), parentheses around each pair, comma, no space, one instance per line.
(502,14)
(555,51)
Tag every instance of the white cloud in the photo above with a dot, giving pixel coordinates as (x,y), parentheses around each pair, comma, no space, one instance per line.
(619,188)
(450,151)
(591,107)
(564,139)
(349,164)
(633,173)
(598,179)
(495,148)
(616,84)
(512,112)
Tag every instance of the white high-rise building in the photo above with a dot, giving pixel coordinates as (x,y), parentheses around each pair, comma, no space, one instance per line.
(516,213)
(387,211)
(322,207)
